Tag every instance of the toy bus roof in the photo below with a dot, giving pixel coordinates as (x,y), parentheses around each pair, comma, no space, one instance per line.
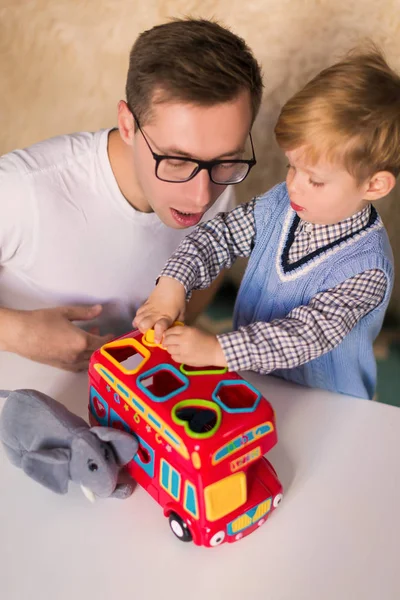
(186,405)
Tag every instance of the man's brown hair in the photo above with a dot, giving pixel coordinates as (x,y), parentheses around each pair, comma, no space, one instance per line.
(349,114)
(193,61)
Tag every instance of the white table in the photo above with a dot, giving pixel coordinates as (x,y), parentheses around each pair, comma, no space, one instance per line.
(335,536)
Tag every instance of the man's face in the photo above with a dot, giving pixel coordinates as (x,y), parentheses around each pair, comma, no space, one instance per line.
(199,132)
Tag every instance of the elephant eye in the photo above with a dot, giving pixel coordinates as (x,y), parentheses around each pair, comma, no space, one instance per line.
(92,466)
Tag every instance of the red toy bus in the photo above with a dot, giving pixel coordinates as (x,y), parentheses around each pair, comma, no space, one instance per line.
(202,437)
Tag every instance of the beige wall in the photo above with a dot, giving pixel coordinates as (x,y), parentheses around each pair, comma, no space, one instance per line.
(63,63)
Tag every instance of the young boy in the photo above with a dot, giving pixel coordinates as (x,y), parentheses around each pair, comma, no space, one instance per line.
(320,272)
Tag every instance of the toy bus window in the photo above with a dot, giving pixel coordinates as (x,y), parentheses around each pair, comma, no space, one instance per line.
(236,397)
(127,354)
(209,370)
(190,500)
(225,496)
(170,479)
(162,382)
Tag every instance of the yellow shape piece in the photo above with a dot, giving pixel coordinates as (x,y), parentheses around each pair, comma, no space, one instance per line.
(225,496)
(148,339)
(149,336)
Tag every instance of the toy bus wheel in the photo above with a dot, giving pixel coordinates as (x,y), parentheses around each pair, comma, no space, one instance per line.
(179,528)
(277,500)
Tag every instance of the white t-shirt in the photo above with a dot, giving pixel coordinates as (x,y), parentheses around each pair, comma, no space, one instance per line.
(68,236)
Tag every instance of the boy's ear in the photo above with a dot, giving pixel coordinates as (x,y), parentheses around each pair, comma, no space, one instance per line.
(380,185)
(126,123)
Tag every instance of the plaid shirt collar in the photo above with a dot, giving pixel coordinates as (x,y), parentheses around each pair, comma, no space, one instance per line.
(326,234)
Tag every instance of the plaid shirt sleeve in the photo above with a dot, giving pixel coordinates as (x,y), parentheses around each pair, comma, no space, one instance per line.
(212,246)
(308,331)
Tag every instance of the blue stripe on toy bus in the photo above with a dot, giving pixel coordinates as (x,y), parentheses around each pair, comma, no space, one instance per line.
(107,375)
(263,429)
(167,433)
(123,390)
(153,420)
(246,438)
(226,450)
(138,405)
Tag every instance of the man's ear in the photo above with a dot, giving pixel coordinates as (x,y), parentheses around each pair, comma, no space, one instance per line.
(380,184)
(126,123)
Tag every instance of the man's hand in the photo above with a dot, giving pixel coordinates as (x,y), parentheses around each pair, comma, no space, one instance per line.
(48,336)
(193,347)
(165,305)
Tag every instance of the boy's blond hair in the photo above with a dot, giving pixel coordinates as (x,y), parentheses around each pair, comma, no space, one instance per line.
(348,114)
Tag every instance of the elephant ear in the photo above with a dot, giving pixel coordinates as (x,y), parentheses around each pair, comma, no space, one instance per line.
(123,444)
(48,467)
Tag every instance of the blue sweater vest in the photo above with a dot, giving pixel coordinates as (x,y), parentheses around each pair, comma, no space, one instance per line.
(272,287)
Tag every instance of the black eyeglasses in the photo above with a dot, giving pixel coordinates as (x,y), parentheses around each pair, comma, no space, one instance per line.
(175,169)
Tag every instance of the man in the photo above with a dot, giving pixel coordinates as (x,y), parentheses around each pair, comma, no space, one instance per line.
(88,220)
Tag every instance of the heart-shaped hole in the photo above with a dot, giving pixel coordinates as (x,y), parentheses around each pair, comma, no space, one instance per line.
(200,418)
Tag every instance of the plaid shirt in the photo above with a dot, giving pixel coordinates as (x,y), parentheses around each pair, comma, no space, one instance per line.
(307,331)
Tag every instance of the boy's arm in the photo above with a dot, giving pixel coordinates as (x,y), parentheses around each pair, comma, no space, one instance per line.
(211,247)
(197,262)
(307,331)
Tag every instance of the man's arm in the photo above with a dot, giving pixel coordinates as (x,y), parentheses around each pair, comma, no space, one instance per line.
(49,336)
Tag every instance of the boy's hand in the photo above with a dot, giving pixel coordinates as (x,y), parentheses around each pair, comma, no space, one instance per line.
(48,336)
(193,347)
(165,305)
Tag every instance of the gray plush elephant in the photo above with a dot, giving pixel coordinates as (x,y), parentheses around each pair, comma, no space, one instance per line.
(53,446)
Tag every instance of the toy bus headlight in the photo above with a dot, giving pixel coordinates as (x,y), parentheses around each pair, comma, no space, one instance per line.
(217,538)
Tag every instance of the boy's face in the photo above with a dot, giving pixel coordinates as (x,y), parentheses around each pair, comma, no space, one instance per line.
(322,193)
(199,132)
